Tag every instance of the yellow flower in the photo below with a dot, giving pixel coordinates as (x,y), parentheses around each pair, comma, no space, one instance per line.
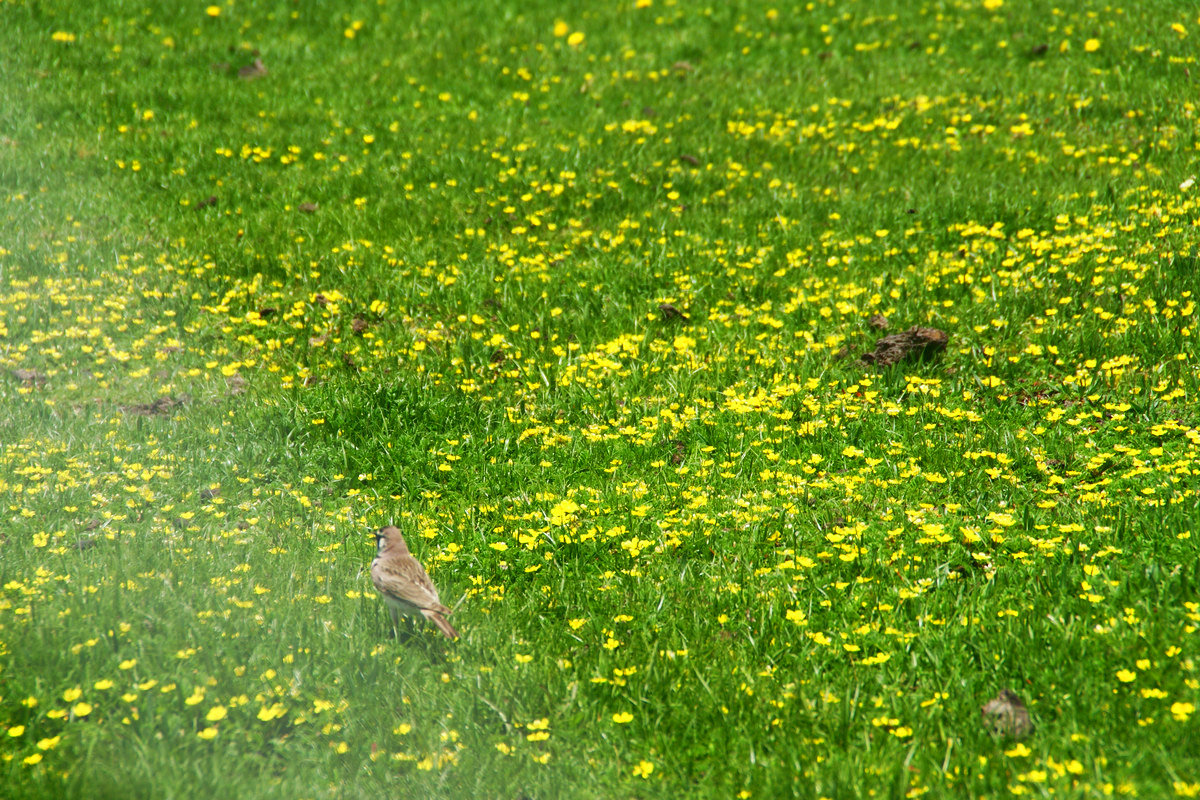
(561,28)
(575,39)
(52,742)
(16,730)
(33,759)
(216,714)
(71,695)
(1126,676)
(82,709)
(622,717)
(274,711)
(62,36)
(643,769)
(1091,45)
(993,5)
(213,11)
(561,513)
(1181,711)
(207,733)
(683,344)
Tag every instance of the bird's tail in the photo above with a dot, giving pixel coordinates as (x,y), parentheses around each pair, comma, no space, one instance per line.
(442,623)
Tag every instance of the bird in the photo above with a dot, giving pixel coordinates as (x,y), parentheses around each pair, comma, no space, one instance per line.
(404,584)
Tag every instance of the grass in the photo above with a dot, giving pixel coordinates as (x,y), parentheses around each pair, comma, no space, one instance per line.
(424,269)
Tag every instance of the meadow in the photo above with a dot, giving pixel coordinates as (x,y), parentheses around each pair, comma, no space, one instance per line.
(577,296)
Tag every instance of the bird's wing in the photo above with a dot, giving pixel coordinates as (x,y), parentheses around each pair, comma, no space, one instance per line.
(405,580)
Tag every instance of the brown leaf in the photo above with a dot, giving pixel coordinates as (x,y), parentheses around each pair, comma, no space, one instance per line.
(219,66)
(236,384)
(307,208)
(879,322)
(695,162)
(682,66)
(211,200)
(253,71)
(1039,50)
(210,493)
(1006,715)
(359,326)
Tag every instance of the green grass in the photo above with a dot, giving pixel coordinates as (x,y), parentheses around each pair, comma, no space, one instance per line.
(414,272)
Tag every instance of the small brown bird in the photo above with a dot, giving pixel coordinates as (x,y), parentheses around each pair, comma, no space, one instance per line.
(405,586)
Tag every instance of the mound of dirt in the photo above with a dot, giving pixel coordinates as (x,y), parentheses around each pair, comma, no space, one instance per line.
(914,344)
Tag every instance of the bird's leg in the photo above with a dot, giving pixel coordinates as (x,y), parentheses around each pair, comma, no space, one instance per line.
(395,622)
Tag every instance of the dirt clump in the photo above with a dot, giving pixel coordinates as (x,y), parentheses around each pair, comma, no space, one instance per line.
(914,344)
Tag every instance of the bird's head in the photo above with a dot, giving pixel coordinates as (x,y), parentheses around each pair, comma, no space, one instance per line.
(389,538)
